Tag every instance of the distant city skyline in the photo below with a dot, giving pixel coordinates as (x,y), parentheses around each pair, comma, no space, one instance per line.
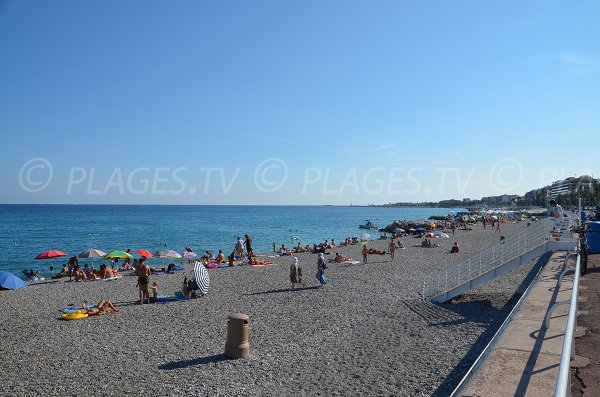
(280,103)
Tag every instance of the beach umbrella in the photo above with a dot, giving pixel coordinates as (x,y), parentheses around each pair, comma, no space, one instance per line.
(91,253)
(365,236)
(171,254)
(201,277)
(189,255)
(10,281)
(50,254)
(116,255)
(399,230)
(442,235)
(144,253)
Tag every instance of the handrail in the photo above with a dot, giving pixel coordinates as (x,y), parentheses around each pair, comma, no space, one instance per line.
(486,260)
(563,381)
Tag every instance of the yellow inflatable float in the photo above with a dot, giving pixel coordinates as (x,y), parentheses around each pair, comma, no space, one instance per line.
(78,315)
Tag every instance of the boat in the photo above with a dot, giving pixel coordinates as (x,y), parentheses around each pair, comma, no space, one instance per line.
(368,225)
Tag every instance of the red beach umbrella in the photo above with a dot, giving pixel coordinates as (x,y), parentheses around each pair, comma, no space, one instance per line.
(144,253)
(50,254)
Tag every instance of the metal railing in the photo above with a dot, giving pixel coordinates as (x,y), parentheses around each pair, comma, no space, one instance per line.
(486,260)
(563,381)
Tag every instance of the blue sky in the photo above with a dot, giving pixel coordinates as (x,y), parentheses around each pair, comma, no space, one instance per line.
(273,102)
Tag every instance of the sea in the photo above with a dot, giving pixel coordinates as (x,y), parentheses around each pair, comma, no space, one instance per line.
(27,230)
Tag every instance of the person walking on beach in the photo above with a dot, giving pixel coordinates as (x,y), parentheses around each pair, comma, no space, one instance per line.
(365,253)
(392,248)
(295,273)
(321,266)
(497,226)
(143,273)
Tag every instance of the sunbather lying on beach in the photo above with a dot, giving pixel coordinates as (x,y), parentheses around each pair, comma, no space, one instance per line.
(341,258)
(376,252)
(103,307)
(252,261)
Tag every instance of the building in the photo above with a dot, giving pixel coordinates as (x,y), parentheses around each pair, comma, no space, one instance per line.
(572,184)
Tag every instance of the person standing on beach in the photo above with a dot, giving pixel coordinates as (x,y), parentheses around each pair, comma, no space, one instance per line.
(392,248)
(365,253)
(497,226)
(248,242)
(143,273)
(72,263)
(321,266)
(239,248)
(295,273)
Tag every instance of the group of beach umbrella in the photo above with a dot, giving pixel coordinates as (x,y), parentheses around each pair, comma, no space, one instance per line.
(10,281)
(94,253)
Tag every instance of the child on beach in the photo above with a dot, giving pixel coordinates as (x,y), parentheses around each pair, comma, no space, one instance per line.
(154,289)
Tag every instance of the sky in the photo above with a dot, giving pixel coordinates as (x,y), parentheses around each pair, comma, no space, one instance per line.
(312,102)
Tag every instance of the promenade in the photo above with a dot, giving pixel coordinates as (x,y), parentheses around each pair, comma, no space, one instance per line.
(524,360)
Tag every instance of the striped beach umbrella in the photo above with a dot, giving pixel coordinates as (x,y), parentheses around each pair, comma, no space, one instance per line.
(171,254)
(201,277)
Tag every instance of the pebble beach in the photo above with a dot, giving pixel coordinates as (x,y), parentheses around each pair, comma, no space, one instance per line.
(367,332)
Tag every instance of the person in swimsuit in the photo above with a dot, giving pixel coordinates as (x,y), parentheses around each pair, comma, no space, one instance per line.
(143,273)
(103,307)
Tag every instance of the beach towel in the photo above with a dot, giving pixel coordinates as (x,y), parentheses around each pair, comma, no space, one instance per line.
(73,309)
(180,296)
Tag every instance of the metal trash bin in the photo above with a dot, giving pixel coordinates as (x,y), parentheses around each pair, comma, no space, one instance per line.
(237,345)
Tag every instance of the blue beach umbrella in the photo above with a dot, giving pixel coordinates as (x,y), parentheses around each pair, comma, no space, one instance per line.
(10,281)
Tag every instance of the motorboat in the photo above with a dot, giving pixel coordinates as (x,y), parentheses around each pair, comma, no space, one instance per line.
(368,225)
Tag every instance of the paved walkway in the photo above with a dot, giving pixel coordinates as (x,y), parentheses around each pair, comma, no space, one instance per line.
(526,357)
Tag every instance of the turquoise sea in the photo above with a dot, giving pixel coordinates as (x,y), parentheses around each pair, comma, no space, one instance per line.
(27,230)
